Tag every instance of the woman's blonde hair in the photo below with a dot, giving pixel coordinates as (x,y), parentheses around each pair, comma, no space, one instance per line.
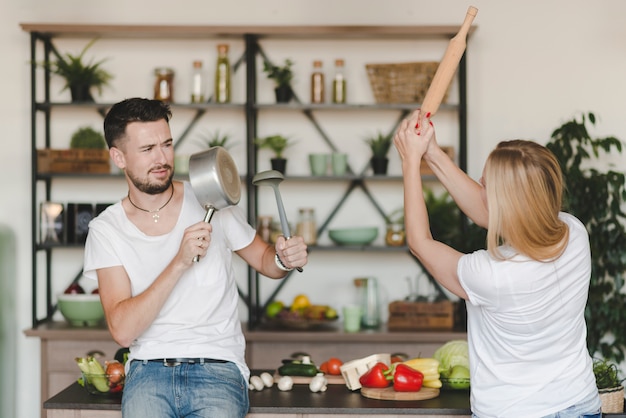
(524,187)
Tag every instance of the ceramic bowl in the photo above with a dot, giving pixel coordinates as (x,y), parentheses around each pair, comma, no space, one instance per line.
(81,309)
(353,236)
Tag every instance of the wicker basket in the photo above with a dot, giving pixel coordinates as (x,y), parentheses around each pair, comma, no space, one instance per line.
(612,399)
(401,83)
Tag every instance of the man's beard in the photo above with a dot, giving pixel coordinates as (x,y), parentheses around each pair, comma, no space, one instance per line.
(152,188)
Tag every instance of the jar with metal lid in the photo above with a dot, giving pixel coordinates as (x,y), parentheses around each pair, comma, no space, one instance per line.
(306,227)
(164,84)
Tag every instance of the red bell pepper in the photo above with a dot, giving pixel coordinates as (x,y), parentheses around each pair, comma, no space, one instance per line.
(375,377)
(406,379)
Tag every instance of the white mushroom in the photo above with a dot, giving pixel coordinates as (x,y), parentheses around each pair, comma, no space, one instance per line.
(318,383)
(257,383)
(285,383)
(267,379)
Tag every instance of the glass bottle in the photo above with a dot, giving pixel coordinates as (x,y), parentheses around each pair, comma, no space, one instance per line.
(339,83)
(306,227)
(164,84)
(222,75)
(317,83)
(198,83)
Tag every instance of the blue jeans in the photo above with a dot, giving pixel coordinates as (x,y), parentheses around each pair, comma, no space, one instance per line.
(209,390)
(587,408)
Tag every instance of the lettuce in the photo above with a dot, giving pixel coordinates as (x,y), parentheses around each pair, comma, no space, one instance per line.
(453,353)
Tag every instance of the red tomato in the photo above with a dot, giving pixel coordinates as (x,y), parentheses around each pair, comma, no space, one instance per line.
(333,365)
(324,367)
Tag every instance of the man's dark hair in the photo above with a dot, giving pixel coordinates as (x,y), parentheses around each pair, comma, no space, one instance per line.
(132,110)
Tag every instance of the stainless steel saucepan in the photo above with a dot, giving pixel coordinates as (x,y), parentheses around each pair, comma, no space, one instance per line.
(215,180)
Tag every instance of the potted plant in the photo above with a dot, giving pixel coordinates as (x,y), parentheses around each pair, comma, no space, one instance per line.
(276,143)
(609,385)
(87,138)
(596,197)
(216,139)
(80,76)
(282,77)
(380,145)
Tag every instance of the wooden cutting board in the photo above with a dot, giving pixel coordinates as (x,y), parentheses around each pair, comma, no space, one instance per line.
(305,380)
(391,395)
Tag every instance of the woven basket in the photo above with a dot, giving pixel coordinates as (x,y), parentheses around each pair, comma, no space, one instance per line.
(401,83)
(612,399)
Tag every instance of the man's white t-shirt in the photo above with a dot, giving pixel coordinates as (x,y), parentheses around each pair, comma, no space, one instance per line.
(200,317)
(526,329)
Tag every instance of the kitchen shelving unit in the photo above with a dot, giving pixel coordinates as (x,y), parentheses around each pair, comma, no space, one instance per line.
(41,42)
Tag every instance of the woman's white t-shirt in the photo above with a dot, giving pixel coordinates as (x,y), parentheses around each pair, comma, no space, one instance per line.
(526,329)
(200,317)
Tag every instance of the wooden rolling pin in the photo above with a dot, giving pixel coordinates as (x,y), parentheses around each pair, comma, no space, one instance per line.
(448,65)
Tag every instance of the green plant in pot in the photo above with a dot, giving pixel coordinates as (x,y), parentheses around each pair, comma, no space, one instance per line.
(216,139)
(277,144)
(596,197)
(380,144)
(80,76)
(610,386)
(282,76)
(87,138)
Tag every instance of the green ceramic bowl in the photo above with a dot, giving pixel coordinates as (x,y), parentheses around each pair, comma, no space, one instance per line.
(81,309)
(353,236)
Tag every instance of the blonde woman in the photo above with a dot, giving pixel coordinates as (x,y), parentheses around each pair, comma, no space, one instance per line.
(526,294)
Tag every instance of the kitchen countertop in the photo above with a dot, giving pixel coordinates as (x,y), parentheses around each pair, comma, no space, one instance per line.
(62,330)
(337,400)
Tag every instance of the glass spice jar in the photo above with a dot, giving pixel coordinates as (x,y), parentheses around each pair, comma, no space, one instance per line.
(396,235)
(317,83)
(164,84)
(306,227)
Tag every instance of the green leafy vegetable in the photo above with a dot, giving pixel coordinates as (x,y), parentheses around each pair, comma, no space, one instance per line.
(451,354)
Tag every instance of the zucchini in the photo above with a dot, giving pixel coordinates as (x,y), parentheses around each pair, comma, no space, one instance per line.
(298,369)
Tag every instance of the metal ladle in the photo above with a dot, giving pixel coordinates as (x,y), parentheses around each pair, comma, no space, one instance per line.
(273,178)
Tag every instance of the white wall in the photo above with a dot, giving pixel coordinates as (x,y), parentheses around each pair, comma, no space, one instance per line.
(531,66)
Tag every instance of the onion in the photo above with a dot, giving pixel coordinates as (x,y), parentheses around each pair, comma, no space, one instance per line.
(114,371)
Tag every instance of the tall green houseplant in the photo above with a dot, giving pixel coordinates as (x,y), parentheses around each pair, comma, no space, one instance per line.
(597,198)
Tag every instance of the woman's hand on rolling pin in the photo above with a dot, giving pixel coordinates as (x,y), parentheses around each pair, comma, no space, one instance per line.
(414,137)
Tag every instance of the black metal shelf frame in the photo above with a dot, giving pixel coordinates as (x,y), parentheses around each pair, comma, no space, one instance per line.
(355,180)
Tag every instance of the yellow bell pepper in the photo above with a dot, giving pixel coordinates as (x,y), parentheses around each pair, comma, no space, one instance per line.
(429,368)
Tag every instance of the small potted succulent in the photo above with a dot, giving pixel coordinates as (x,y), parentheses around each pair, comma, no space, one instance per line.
(276,143)
(609,385)
(80,76)
(380,144)
(282,77)
(216,139)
